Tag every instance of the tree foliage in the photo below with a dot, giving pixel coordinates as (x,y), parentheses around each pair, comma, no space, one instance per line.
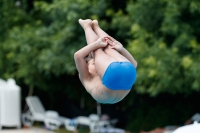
(45,46)
(166,44)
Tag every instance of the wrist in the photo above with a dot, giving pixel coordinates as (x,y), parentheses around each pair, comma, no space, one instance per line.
(98,43)
(120,49)
(95,44)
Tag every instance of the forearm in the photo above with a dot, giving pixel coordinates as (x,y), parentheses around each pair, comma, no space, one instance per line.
(80,61)
(87,49)
(126,54)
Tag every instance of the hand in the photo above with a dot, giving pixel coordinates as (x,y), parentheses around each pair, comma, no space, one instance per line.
(102,42)
(114,43)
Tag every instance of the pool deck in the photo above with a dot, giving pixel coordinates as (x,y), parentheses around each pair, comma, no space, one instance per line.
(28,130)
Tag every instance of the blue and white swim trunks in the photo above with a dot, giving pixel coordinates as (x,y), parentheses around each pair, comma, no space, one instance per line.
(119,76)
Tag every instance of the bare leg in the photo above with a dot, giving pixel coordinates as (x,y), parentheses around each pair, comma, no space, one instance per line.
(109,51)
(102,60)
(90,35)
(98,30)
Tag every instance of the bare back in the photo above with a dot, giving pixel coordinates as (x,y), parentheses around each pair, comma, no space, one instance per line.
(102,94)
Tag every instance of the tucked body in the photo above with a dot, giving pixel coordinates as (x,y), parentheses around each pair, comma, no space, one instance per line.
(109,71)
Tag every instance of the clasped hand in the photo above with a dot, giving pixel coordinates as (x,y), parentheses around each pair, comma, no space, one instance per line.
(108,40)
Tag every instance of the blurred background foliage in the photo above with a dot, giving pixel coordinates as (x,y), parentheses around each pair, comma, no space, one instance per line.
(39,38)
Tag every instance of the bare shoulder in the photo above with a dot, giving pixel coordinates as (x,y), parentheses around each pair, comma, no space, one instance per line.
(84,81)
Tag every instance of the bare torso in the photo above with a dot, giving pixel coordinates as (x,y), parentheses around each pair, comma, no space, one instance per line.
(101,93)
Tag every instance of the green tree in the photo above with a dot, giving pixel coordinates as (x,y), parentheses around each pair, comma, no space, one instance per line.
(39,51)
(166,45)
(164,39)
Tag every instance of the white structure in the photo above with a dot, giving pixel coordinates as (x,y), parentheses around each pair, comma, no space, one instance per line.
(193,128)
(94,123)
(37,112)
(10,107)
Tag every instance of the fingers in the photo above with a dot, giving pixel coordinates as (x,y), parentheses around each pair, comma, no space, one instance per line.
(110,38)
(102,39)
(109,42)
(102,44)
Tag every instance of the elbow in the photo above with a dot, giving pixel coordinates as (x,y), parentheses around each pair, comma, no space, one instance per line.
(76,55)
(135,64)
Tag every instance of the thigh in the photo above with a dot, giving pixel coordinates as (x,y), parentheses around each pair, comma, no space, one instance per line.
(102,61)
(114,54)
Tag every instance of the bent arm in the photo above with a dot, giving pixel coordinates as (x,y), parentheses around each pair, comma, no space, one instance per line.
(82,53)
(79,58)
(119,47)
(126,54)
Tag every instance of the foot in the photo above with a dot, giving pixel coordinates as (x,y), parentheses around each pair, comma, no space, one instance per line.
(85,23)
(95,24)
